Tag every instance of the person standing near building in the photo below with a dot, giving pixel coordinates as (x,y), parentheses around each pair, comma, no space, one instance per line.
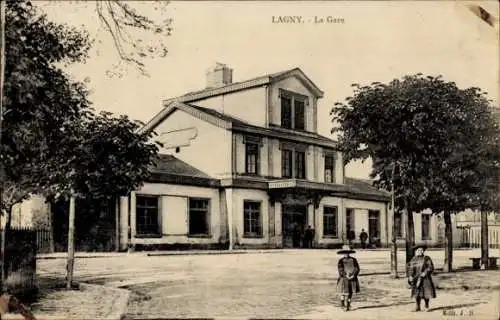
(308,237)
(420,269)
(363,236)
(347,283)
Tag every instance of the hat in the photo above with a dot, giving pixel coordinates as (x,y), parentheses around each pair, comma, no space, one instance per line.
(345,249)
(415,247)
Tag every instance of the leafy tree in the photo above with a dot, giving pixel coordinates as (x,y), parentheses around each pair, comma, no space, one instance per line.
(52,143)
(425,128)
(40,101)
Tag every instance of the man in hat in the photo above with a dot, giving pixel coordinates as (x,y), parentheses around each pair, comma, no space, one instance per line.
(420,270)
(347,282)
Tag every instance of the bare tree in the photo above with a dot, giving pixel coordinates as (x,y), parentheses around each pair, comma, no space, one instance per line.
(126,26)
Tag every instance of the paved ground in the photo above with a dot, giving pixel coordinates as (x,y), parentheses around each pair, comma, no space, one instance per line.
(295,283)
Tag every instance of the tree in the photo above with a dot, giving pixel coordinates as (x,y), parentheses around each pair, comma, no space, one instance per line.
(52,144)
(102,157)
(38,99)
(427,128)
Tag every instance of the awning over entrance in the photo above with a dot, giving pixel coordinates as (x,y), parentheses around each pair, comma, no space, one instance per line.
(313,192)
(304,191)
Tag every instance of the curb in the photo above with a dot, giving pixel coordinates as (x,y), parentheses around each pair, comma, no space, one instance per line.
(194,253)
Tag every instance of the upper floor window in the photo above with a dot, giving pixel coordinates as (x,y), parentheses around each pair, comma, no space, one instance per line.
(252,159)
(329,167)
(293,109)
(286,163)
(147,215)
(293,161)
(300,165)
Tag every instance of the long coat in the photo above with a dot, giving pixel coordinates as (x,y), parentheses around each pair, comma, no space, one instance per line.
(420,271)
(348,266)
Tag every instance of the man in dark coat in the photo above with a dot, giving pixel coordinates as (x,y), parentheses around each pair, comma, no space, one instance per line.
(420,269)
(308,237)
(363,236)
(347,282)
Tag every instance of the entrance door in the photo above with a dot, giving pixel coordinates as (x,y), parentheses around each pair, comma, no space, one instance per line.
(293,225)
(374,227)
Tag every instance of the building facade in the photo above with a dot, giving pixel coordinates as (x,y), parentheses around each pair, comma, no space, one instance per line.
(243,165)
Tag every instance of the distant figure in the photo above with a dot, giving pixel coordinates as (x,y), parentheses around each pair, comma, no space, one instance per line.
(347,283)
(308,237)
(350,236)
(363,236)
(420,269)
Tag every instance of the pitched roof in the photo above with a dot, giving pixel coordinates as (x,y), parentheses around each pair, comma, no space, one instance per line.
(169,164)
(229,122)
(170,169)
(362,186)
(247,84)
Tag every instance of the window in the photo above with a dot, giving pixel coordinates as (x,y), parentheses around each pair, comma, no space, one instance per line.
(293,107)
(199,217)
(329,167)
(299,109)
(252,226)
(349,217)
(286,112)
(349,222)
(426,224)
(300,165)
(146,214)
(373,224)
(286,163)
(330,222)
(293,161)
(252,158)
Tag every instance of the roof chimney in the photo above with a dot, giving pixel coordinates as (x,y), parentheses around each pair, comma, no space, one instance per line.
(219,76)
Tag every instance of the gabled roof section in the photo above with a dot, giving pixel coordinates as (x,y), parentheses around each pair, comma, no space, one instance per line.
(169,164)
(248,84)
(361,186)
(169,169)
(231,123)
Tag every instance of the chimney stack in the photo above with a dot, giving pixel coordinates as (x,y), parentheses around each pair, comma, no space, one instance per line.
(219,76)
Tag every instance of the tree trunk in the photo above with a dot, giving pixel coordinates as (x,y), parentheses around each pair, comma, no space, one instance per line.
(484,240)
(409,232)
(448,249)
(71,243)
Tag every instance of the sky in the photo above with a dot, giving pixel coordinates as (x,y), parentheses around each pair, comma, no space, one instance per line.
(378,41)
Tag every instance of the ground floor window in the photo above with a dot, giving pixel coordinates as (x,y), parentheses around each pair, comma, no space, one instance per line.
(252,222)
(373,226)
(199,217)
(147,215)
(426,226)
(330,219)
(349,224)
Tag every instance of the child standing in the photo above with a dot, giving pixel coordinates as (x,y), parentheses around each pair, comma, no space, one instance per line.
(347,283)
